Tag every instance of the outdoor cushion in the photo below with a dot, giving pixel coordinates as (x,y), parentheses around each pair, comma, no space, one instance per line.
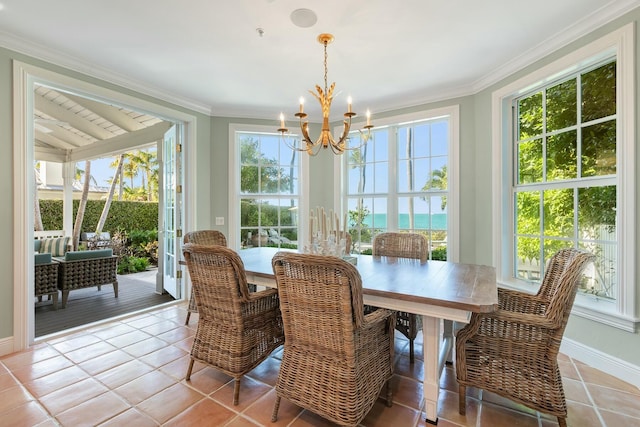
(36,245)
(78,255)
(56,247)
(43,258)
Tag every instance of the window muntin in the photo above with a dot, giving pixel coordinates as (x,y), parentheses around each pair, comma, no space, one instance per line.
(398,181)
(565,176)
(269,198)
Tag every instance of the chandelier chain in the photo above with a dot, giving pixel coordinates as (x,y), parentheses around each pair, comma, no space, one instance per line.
(325,67)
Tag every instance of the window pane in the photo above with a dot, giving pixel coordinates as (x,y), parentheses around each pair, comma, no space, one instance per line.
(530,116)
(528,212)
(530,162)
(597,213)
(527,263)
(600,278)
(381,177)
(561,156)
(249,179)
(599,92)
(422,140)
(248,150)
(562,106)
(599,149)
(440,138)
(558,213)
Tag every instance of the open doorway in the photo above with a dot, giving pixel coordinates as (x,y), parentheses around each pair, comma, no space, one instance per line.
(67,123)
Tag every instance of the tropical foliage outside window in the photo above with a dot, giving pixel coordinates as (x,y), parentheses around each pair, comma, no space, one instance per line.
(269,191)
(565,175)
(398,182)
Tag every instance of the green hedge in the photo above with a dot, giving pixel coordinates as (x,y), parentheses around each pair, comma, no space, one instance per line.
(127,216)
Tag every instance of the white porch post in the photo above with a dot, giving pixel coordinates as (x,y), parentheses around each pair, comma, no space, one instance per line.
(68,173)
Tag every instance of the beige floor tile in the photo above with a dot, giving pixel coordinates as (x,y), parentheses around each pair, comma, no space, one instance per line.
(115,330)
(175,335)
(498,416)
(72,395)
(131,417)
(615,419)
(262,409)
(33,355)
(381,415)
(205,412)
(122,374)
(7,381)
(579,415)
(250,391)
(160,327)
(28,414)
(407,369)
(406,391)
(39,369)
(448,405)
(49,383)
(169,402)
(94,411)
(615,400)
(594,376)
(105,362)
(178,368)
(145,347)
(67,344)
(267,371)
(208,380)
(574,390)
(13,397)
(129,338)
(241,421)
(145,386)
(90,352)
(163,356)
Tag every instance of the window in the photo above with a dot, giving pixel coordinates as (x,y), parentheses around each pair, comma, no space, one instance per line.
(399,181)
(565,172)
(267,197)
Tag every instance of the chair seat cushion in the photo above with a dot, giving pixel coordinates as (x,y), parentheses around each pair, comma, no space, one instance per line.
(42,259)
(79,255)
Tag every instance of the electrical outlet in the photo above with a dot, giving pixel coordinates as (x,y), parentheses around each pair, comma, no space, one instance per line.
(219,220)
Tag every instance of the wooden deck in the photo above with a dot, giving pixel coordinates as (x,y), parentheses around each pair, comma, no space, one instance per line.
(135,292)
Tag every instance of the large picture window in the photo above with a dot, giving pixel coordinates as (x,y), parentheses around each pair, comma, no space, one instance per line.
(566,176)
(399,181)
(267,196)
(564,144)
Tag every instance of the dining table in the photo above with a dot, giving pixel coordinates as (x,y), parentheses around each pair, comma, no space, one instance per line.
(442,292)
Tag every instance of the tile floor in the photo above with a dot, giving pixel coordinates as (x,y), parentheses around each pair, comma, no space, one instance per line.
(131,373)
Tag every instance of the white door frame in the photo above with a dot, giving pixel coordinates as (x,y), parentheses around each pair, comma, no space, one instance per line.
(24,78)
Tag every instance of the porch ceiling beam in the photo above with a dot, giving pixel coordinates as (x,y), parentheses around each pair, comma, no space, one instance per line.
(46,154)
(53,141)
(121,143)
(59,113)
(109,112)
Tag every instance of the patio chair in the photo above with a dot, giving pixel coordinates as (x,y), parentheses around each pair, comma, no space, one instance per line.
(404,245)
(237,329)
(202,237)
(46,278)
(336,359)
(513,351)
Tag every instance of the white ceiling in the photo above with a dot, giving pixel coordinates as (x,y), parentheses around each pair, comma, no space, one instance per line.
(207,54)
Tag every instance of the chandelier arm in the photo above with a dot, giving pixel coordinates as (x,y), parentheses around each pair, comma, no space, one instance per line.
(304,128)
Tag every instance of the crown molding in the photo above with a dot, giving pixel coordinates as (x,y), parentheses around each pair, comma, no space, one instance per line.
(60,59)
(597,19)
(604,15)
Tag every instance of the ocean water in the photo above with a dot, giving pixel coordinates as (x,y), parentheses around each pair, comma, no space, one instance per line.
(422,221)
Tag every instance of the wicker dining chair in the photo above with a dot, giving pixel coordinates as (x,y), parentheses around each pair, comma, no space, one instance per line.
(513,351)
(237,329)
(404,245)
(202,237)
(336,359)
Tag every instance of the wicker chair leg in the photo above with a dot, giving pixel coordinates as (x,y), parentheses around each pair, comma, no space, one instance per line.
(55,300)
(562,422)
(186,321)
(189,370)
(115,289)
(411,356)
(65,297)
(462,400)
(276,406)
(389,394)
(236,391)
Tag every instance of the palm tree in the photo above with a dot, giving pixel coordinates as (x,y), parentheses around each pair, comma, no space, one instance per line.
(82,205)
(107,204)
(438,181)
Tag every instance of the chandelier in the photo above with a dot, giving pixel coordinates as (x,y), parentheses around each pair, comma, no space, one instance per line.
(325,140)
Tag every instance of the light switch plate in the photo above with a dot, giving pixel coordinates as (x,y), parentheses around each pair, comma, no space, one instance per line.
(219,220)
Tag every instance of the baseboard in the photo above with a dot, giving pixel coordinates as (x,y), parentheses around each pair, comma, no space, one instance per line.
(6,346)
(620,369)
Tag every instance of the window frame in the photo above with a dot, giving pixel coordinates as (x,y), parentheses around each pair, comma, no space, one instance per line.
(621,45)
(453,150)
(234,183)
